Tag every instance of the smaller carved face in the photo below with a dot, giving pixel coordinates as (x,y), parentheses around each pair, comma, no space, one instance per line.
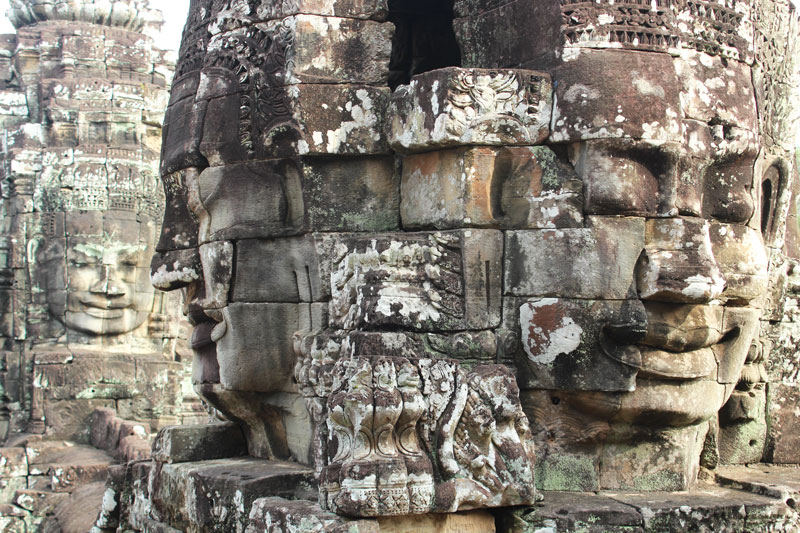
(384,374)
(407,375)
(99,286)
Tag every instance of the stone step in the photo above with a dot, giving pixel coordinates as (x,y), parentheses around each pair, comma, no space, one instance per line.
(223,490)
(708,507)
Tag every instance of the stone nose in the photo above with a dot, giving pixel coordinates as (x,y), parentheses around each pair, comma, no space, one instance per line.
(678,263)
(107,285)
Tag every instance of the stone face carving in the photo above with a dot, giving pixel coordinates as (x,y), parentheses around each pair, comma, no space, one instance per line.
(676,141)
(81,207)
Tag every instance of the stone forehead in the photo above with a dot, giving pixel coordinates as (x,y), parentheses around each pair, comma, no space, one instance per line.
(129,14)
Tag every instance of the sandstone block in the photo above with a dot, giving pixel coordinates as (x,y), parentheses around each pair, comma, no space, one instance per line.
(573,344)
(422,281)
(101,425)
(339,119)
(216,484)
(351,194)
(742,258)
(40,503)
(314,49)
(678,264)
(497,33)
(784,402)
(255,350)
(569,511)
(717,508)
(443,108)
(13,463)
(466,522)
(278,514)
(360,9)
(595,262)
(71,419)
(278,270)
(743,427)
(250,200)
(182,444)
(488,187)
(713,88)
(639,102)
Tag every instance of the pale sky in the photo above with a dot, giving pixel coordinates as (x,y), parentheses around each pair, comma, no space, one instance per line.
(174,14)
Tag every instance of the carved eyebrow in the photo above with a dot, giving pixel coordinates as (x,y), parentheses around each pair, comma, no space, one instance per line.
(89,250)
(97,250)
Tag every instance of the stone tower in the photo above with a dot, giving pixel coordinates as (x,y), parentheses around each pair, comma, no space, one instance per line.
(82,97)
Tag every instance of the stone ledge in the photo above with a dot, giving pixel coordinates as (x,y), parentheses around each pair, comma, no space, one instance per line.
(709,507)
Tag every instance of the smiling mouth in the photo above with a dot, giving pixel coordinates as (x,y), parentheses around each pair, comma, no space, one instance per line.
(104,310)
(668,361)
(700,362)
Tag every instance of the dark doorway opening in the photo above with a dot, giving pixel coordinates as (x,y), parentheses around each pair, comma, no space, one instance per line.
(423,40)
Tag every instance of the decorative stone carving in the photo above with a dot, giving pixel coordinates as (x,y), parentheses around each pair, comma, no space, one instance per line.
(451,107)
(411,436)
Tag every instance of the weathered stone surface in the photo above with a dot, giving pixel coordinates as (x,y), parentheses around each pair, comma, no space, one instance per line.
(784,401)
(254,345)
(423,281)
(278,270)
(574,344)
(678,264)
(13,462)
(575,511)
(40,503)
(307,48)
(497,33)
(351,194)
(278,514)
(487,187)
(340,120)
(79,511)
(468,522)
(215,485)
(639,102)
(717,509)
(604,268)
(182,444)
(452,107)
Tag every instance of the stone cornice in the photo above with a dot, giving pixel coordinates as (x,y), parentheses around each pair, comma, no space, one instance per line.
(134,15)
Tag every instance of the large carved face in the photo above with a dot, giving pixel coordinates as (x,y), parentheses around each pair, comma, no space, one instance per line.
(652,317)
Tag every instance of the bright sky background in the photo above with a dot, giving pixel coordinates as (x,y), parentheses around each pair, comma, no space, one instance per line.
(174,15)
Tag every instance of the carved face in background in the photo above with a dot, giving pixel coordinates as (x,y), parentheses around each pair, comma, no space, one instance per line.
(95,279)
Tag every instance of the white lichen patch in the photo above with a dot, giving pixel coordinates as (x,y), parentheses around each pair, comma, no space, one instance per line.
(544,346)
